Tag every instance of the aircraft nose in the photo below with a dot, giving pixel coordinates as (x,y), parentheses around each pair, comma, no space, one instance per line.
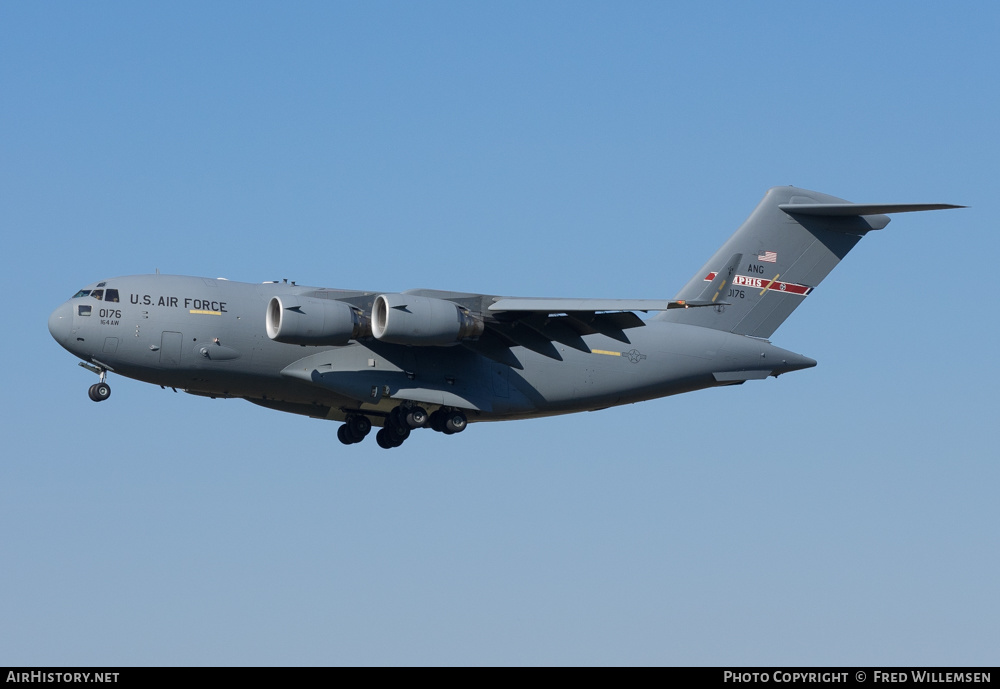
(61,323)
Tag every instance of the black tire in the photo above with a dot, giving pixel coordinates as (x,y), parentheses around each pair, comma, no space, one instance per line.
(395,417)
(384,441)
(100,392)
(416,417)
(397,433)
(455,422)
(343,435)
(359,426)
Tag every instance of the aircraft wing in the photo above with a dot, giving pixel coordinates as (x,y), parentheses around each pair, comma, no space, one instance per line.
(539,324)
(547,306)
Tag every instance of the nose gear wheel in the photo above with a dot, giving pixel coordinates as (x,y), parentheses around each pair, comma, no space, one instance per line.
(99,392)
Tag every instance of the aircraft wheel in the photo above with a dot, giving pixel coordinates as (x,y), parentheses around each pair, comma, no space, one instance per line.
(99,392)
(436,421)
(416,417)
(386,441)
(455,421)
(358,426)
(342,435)
(397,432)
(395,417)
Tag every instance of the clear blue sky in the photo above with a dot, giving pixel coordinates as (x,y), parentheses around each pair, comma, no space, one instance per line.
(842,515)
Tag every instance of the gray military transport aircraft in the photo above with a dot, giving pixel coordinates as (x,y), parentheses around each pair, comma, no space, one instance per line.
(426,358)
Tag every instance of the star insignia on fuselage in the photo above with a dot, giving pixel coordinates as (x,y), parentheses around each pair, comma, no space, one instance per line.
(634,355)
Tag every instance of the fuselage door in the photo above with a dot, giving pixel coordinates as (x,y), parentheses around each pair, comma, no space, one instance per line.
(170,348)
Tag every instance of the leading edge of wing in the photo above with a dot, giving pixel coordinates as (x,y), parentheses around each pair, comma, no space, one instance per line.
(546,305)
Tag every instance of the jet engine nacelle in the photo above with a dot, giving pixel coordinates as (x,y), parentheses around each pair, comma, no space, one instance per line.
(411,320)
(310,321)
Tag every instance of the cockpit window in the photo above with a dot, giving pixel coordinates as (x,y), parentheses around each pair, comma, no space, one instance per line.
(97,294)
(83,309)
(111,295)
(82,293)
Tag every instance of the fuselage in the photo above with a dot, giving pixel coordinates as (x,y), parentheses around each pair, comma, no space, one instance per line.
(433,359)
(208,337)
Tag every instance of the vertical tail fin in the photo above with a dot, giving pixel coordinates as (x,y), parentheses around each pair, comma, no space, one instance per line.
(791,241)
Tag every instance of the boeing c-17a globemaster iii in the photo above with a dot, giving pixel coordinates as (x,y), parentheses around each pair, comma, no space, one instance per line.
(440,360)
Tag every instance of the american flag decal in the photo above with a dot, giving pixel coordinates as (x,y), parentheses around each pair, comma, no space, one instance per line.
(768,256)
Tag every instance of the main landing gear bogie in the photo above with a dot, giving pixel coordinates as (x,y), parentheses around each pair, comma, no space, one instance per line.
(399,423)
(448,421)
(355,429)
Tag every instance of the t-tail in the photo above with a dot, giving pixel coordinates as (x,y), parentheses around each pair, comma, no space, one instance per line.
(791,241)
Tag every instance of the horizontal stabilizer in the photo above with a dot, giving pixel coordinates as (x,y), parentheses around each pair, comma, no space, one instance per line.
(853,209)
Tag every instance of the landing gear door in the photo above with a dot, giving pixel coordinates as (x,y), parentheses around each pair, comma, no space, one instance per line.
(170,348)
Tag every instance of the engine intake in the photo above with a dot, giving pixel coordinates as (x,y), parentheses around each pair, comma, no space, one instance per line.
(317,322)
(411,320)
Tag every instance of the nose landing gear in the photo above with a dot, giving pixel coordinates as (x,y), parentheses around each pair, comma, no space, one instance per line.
(98,391)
